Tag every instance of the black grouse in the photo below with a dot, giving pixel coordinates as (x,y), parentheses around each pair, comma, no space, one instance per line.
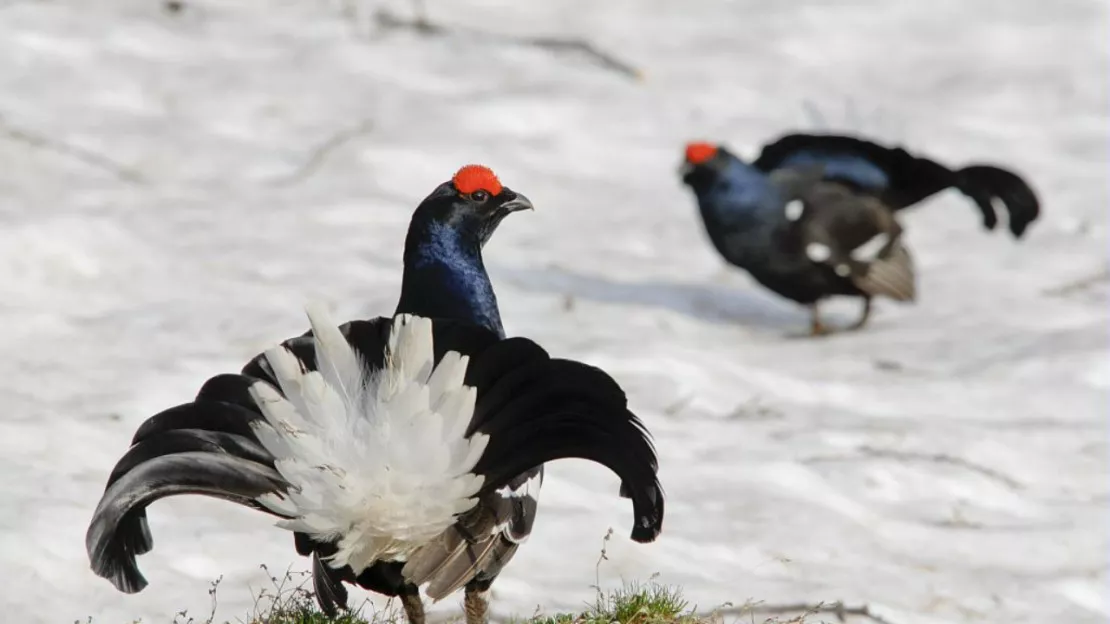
(403,452)
(815,215)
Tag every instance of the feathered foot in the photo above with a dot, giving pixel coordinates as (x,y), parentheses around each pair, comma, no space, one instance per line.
(414,607)
(816,327)
(476,604)
(863,317)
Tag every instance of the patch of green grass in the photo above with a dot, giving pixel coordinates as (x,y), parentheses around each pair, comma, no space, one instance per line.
(633,604)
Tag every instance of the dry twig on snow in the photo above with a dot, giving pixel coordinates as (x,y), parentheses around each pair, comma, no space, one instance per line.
(557,45)
(805,609)
(86,156)
(317,156)
(1078,285)
(936,458)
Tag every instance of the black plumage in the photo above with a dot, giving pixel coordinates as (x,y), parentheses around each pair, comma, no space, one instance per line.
(814,216)
(534,409)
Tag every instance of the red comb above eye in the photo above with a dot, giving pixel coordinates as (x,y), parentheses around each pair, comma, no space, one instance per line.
(476,177)
(697,153)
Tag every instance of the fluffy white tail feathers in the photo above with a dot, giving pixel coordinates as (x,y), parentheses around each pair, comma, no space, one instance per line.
(376,458)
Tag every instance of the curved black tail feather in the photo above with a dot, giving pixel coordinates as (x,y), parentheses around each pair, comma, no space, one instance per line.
(985,183)
(327,582)
(548,409)
(912,178)
(221,407)
(216,474)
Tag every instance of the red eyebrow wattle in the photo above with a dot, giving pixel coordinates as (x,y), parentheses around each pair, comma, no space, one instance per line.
(476,177)
(697,153)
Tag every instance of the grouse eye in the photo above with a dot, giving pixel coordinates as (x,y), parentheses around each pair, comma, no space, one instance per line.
(479,196)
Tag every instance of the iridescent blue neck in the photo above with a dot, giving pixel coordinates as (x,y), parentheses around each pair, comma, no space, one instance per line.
(444,277)
(740,195)
(741,209)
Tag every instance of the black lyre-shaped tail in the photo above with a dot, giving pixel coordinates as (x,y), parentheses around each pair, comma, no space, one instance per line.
(203,447)
(910,178)
(538,409)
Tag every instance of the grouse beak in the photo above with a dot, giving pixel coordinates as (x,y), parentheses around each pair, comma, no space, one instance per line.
(515,202)
(684,168)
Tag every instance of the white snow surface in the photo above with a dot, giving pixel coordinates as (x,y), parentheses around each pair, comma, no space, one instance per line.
(947,465)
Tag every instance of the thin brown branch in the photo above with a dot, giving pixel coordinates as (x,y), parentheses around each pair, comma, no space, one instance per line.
(88,157)
(556,45)
(937,458)
(586,48)
(804,609)
(1078,285)
(318,155)
(943,458)
(419,24)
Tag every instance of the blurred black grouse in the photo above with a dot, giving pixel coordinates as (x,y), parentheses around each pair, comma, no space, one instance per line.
(814,215)
(402,452)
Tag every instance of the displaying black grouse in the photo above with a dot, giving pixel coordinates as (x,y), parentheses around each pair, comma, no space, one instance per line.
(402,452)
(815,215)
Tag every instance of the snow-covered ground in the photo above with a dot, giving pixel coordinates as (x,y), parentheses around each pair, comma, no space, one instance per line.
(948,465)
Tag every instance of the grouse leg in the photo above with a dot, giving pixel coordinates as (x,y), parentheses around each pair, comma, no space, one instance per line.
(816,327)
(866,315)
(414,606)
(476,603)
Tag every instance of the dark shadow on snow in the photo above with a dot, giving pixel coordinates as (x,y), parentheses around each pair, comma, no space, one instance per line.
(724,304)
